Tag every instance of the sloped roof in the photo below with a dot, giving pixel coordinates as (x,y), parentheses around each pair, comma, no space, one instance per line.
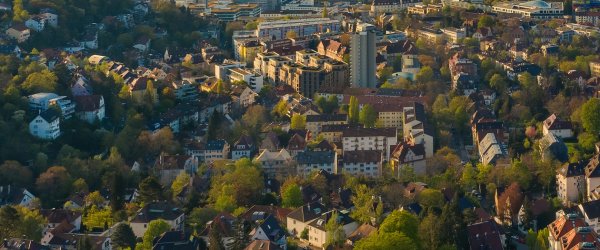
(87,103)
(485,235)
(307,212)
(157,210)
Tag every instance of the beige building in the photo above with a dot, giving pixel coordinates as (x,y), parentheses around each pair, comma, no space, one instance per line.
(570,182)
(595,68)
(317,234)
(173,215)
(274,66)
(19,32)
(314,123)
(276,163)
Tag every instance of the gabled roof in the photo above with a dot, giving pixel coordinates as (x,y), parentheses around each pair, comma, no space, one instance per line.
(573,169)
(271,228)
(87,103)
(56,216)
(157,210)
(246,141)
(307,212)
(224,222)
(343,219)
(401,150)
(326,118)
(591,209)
(21,244)
(555,123)
(361,232)
(262,245)
(592,169)
(50,115)
(485,235)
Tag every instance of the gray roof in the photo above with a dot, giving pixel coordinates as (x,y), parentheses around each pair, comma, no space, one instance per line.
(315,157)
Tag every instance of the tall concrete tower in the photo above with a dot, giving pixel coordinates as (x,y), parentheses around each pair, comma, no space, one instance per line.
(362,57)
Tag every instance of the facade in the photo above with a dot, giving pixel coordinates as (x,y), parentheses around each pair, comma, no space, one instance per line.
(558,127)
(244,147)
(391,6)
(570,182)
(298,220)
(276,163)
(18,32)
(185,90)
(592,175)
(46,125)
(89,108)
(234,12)
(595,68)
(314,123)
(277,30)
(362,162)
(173,215)
(358,138)
(408,155)
(210,151)
(591,213)
(317,233)
(254,81)
(536,9)
(362,57)
(168,167)
(248,51)
(43,101)
(314,161)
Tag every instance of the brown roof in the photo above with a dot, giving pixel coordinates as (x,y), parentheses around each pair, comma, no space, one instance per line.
(262,245)
(579,236)
(555,123)
(278,212)
(362,231)
(87,103)
(485,235)
(222,222)
(166,162)
(563,224)
(401,150)
(56,216)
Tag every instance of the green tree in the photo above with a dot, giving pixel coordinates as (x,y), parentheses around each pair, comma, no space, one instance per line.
(431,198)
(425,74)
(498,83)
(353,110)
(368,116)
(298,122)
(429,231)
(401,221)
(485,21)
(123,236)
(98,218)
(291,196)
(155,229)
(363,203)
(468,178)
(335,231)
(44,81)
(240,238)
(280,108)
(13,173)
(9,219)
(200,216)
(149,190)
(589,116)
(20,15)
(213,125)
(180,182)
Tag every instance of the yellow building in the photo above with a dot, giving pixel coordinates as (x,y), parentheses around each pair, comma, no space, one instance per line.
(248,51)
(595,68)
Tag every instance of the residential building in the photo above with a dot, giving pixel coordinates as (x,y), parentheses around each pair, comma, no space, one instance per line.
(318,234)
(66,220)
(210,151)
(359,138)
(243,96)
(248,51)
(363,231)
(262,244)
(486,235)
(43,101)
(89,108)
(176,240)
(416,128)
(276,30)
(592,175)
(454,35)
(274,67)
(18,32)
(558,127)
(362,162)
(299,218)
(332,49)
(562,228)
(570,182)
(261,62)
(587,16)
(595,68)
(490,149)
(408,155)
(314,161)
(46,125)
(536,9)
(185,90)
(590,212)
(12,195)
(314,123)
(276,163)
(254,80)
(224,223)
(168,167)
(21,244)
(391,6)
(430,35)
(228,11)
(243,147)
(138,89)
(269,229)
(171,214)
(362,57)
(508,202)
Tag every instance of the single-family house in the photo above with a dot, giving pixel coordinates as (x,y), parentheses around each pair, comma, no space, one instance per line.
(164,210)
(46,125)
(89,108)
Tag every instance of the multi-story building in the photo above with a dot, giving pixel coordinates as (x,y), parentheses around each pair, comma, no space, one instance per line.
(274,66)
(18,32)
(208,152)
(314,161)
(307,80)
(427,34)
(416,128)
(595,68)
(185,90)
(570,182)
(248,51)
(314,123)
(232,12)
(358,138)
(453,34)
(391,6)
(171,214)
(318,233)
(254,80)
(362,57)
(46,125)
(90,108)
(362,162)
(261,62)
(276,30)
(408,155)
(43,101)
(276,163)
(592,175)
(536,9)
(222,71)
(585,15)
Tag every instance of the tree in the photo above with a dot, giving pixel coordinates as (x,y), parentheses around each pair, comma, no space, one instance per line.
(236,185)
(589,116)
(240,238)
(155,229)
(363,203)
(123,236)
(386,241)
(498,83)
(9,219)
(353,111)
(94,199)
(368,116)
(298,122)
(13,173)
(215,242)
(335,231)
(429,231)
(182,179)
(431,198)
(43,81)
(18,221)
(149,190)
(291,196)
(280,108)
(425,74)
(485,21)
(80,186)
(200,216)
(468,179)
(53,185)
(20,15)
(213,125)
